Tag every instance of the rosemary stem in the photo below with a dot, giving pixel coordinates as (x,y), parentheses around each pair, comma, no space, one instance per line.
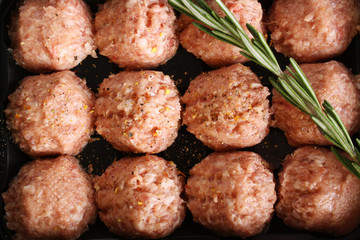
(294,87)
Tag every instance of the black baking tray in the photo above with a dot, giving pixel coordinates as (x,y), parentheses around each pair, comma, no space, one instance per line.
(185,152)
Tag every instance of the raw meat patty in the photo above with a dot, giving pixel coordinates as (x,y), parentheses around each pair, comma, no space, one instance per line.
(212,51)
(313,30)
(331,81)
(139,197)
(138,111)
(52,35)
(232,193)
(317,193)
(51,114)
(227,108)
(136,34)
(50,199)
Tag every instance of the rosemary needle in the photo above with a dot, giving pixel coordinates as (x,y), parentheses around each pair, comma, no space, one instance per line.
(294,87)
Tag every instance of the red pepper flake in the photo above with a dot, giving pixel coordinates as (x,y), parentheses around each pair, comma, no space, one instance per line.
(181,173)
(93,139)
(90,168)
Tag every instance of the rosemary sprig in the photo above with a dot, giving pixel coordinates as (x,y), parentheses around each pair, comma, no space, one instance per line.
(294,87)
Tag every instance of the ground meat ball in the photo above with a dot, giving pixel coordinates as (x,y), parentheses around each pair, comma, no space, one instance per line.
(50,199)
(212,51)
(313,30)
(138,111)
(227,108)
(140,197)
(331,81)
(51,114)
(136,34)
(317,193)
(52,34)
(232,193)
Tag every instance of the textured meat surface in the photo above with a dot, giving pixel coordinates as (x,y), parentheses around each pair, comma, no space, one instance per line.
(313,30)
(227,108)
(51,114)
(138,111)
(50,199)
(317,193)
(212,51)
(231,193)
(136,34)
(140,197)
(52,34)
(331,81)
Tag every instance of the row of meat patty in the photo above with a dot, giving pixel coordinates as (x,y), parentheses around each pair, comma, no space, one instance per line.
(58,35)
(229,193)
(140,111)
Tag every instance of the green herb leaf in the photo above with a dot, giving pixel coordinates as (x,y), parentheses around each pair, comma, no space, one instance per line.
(294,87)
